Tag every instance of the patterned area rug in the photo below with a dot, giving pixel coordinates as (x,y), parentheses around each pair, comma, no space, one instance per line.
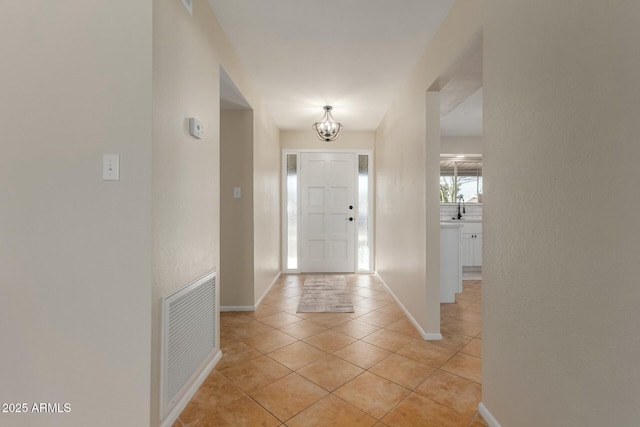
(325,293)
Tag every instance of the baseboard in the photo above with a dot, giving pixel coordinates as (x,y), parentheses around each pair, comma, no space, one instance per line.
(490,419)
(273,282)
(250,307)
(188,394)
(433,337)
(426,336)
(237,308)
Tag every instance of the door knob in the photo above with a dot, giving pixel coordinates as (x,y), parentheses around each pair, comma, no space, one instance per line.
(350,206)
(350,218)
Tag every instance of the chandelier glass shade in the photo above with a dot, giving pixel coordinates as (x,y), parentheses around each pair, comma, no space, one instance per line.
(327,129)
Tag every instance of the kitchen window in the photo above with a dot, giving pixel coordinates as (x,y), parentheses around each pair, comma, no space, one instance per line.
(461,177)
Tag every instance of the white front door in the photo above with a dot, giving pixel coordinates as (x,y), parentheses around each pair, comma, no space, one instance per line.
(327,208)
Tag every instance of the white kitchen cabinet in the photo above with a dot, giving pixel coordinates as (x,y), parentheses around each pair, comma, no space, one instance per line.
(471,245)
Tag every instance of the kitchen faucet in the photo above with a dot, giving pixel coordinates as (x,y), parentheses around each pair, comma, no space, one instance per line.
(461,199)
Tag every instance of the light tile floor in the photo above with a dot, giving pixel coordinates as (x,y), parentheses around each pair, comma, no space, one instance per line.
(368,368)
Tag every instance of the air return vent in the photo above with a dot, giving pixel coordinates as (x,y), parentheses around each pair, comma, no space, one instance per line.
(188,337)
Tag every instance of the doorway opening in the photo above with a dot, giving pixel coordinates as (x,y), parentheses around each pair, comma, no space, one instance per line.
(237,263)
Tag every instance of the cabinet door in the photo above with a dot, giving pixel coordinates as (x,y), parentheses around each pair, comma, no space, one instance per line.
(471,249)
(466,249)
(477,250)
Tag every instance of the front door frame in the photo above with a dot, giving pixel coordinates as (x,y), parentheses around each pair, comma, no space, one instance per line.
(285,239)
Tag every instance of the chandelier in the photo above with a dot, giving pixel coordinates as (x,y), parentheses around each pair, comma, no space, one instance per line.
(327,129)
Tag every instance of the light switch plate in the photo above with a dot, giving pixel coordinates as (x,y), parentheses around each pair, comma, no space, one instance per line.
(111,167)
(237,192)
(195,128)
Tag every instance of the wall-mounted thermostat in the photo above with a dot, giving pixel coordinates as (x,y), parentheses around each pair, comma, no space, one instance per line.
(195,128)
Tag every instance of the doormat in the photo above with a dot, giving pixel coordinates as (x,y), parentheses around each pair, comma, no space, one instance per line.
(325,293)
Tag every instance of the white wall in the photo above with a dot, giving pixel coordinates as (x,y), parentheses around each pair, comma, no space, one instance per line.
(560,295)
(404,163)
(266,200)
(188,52)
(347,140)
(236,214)
(461,145)
(75,258)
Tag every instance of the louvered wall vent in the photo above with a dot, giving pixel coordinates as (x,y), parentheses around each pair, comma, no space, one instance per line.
(188,338)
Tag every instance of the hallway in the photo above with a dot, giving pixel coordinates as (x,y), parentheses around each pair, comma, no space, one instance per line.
(371,367)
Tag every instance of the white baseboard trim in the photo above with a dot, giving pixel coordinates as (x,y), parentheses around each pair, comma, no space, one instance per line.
(237,308)
(273,282)
(433,337)
(426,336)
(250,307)
(188,394)
(490,419)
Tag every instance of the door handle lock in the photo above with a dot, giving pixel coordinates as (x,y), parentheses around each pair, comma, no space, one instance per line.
(350,206)
(350,218)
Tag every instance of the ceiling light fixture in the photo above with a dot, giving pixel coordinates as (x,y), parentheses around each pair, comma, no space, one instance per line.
(327,129)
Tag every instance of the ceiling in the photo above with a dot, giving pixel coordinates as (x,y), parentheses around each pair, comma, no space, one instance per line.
(355,55)
(465,119)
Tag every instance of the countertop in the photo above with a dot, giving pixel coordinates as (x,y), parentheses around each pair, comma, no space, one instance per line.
(460,221)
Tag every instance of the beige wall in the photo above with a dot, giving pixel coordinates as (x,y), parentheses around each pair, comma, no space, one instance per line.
(561,296)
(186,238)
(266,200)
(75,276)
(403,164)
(461,145)
(236,215)
(347,140)
(188,52)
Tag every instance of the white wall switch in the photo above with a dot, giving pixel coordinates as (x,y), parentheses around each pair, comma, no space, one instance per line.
(111,167)
(195,128)
(237,192)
